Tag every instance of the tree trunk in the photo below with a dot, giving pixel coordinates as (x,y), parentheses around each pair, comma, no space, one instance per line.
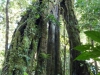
(7,27)
(31,35)
(53,49)
(58,69)
(42,48)
(76,67)
(42,44)
(19,59)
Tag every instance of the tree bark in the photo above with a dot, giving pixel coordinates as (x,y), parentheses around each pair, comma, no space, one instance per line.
(19,59)
(7,27)
(31,35)
(76,67)
(58,69)
(42,44)
(53,49)
(42,48)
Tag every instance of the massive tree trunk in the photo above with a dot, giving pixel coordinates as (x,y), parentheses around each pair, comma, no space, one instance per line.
(19,59)
(76,67)
(31,36)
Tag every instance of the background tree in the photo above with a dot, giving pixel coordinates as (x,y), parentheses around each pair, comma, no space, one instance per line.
(7,26)
(74,39)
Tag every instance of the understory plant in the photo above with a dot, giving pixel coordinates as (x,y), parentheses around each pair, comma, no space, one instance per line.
(89,51)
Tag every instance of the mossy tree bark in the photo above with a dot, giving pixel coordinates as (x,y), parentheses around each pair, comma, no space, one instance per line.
(30,37)
(42,45)
(49,53)
(19,59)
(42,48)
(74,39)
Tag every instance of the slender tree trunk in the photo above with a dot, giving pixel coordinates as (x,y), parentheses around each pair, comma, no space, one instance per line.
(7,27)
(76,67)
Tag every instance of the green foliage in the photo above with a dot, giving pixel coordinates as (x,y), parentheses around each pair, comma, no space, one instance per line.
(52,18)
(1,59)
(88,51)
(98,73)
(94,35)
(26,42)
(19,4)
(44,55)
(83,48)
(89,11)
(25,73)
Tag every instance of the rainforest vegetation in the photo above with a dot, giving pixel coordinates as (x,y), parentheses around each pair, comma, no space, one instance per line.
(49,37)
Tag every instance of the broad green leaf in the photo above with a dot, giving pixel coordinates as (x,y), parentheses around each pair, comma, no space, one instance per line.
(83,56)
(94,35)
(25,73)
(83,47)
(94,54)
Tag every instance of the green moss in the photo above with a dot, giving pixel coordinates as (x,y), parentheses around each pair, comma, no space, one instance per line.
(26,42)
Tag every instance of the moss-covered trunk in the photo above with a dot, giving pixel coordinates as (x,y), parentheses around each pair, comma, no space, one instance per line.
(74,39)
(31,37)
(19,59)
(42,48)
(42,43)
